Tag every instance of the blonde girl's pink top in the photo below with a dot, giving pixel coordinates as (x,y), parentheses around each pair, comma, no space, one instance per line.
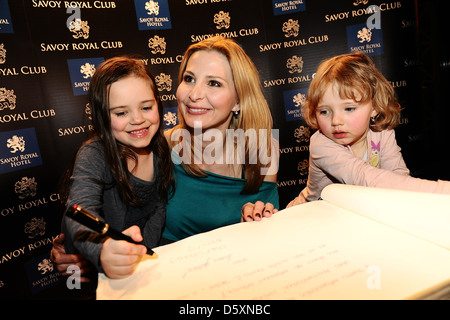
(383,167)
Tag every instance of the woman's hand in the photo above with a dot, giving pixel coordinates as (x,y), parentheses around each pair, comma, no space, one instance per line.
(62,260)
(256,211)
(119,258)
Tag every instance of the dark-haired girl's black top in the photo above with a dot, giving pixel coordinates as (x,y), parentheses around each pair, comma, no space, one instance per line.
(93,188)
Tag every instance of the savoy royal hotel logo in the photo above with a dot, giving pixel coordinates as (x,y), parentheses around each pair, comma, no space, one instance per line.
(19,149)
(153,14)
(5,18)
(289,6)
(81,72)
(364,39)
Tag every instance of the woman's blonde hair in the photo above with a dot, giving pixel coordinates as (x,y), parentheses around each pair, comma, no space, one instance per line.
(254,109)
(356,77)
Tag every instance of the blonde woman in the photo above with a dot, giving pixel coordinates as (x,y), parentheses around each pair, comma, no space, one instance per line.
(223,149)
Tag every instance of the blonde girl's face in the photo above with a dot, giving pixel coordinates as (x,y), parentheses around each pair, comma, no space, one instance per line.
(207,93)
(134,112)
(345,121)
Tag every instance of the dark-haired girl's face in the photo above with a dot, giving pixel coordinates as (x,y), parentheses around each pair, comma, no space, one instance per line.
(134,112)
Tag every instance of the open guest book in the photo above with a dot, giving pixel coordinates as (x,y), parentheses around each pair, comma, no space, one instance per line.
(356,243)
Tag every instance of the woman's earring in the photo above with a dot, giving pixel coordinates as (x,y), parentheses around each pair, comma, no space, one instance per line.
(236,113)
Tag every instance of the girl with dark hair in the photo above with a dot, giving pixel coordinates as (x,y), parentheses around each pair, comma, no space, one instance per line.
(122,174)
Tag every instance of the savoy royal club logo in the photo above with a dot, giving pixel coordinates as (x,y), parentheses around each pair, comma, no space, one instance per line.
(291,28)
(295,64)
(7,99)
(222,20)
(35,227)
(79,28)
(2,53)
(26,187)
(153,14)
(157,45)
(163,82)
(302,134)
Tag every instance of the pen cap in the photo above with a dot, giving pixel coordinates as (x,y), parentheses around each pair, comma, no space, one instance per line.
(80,215)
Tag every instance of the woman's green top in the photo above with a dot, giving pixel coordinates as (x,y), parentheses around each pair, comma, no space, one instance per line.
(201,204)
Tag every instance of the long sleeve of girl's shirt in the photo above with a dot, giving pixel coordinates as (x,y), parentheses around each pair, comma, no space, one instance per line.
(94,189)
(334,163)
(87,183)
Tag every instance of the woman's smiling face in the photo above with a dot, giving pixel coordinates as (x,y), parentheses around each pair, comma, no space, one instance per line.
(207,93)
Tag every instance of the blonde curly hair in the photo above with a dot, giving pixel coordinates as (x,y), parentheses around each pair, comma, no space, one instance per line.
(356,77)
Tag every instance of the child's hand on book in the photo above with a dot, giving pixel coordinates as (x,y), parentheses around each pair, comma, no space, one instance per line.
(298,200)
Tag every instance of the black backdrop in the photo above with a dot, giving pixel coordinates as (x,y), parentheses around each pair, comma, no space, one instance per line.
(47,56)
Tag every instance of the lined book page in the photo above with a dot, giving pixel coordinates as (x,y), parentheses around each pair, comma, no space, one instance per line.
(312,251)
